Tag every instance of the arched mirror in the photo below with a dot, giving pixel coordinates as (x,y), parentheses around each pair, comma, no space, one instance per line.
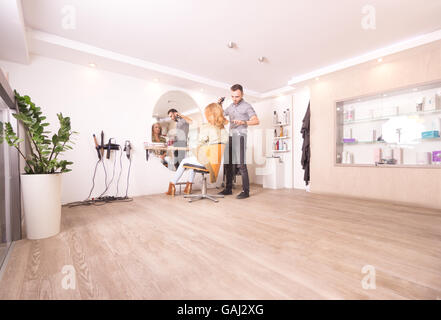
(175,122)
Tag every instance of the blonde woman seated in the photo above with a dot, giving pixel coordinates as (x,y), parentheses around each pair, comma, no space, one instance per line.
(158,137)
(211,133)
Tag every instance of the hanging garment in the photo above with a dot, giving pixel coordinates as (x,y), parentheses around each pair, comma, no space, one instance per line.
(306,151)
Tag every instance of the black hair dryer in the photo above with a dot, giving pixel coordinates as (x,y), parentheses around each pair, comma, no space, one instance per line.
(127,148)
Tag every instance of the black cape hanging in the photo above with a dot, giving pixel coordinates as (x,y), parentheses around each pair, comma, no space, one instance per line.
(306,151)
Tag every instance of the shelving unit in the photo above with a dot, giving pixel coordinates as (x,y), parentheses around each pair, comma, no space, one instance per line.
(419,113)
(281,139)
(388,127)
(395,143)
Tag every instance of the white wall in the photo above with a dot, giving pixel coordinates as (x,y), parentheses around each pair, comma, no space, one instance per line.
(98,100)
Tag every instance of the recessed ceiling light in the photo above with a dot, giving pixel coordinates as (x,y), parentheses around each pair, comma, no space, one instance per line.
(92,65)
(261,59)
(384,95)
(156,80)
(231,45)
(317,78)
(380,60)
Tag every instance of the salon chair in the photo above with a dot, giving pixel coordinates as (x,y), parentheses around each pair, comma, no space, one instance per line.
(213,154)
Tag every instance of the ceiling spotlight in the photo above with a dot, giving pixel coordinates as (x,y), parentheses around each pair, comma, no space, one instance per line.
(231,44)
(380,60)
(262,59)
(92,65)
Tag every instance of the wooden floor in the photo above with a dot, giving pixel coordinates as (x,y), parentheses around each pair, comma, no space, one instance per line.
(275,245)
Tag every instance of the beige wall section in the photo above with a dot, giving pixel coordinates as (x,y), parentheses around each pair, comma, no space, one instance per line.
(407,185)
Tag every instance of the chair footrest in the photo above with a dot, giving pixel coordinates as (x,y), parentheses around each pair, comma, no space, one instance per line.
(201,169)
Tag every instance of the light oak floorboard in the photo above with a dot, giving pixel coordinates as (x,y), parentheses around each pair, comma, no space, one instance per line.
(277,244)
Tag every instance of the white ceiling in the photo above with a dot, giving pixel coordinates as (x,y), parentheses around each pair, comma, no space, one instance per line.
(186,41)
(13,45)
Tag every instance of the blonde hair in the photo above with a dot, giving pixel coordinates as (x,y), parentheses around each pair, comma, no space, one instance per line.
(215,115)
(153,131)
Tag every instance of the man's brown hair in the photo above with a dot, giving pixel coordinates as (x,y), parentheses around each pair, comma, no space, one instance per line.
(236,87)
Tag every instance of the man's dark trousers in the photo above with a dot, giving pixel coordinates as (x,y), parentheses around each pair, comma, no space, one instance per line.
(235,156)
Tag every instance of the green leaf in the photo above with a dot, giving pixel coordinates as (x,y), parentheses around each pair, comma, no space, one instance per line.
(32,118)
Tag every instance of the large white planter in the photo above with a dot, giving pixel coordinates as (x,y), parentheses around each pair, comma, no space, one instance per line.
(41,204)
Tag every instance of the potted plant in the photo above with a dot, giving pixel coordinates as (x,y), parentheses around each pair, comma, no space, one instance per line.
(41,182)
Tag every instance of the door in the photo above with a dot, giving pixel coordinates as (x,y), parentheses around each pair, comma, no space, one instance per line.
(5,236)
(10,202)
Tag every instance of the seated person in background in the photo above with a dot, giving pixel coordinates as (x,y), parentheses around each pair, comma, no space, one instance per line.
(212,132)
(182,127)
(157,137)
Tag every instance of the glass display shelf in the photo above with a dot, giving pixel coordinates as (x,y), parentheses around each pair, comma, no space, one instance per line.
(398,128)
(418,113)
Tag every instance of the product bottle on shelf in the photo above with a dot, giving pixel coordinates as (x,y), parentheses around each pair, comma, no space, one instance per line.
(351,114)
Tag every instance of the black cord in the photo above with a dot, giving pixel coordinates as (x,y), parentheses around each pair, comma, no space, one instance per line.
(128,176)
(107,199)
(105,174)
(99,201)
(120,171)
(93,180)
(111,180)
